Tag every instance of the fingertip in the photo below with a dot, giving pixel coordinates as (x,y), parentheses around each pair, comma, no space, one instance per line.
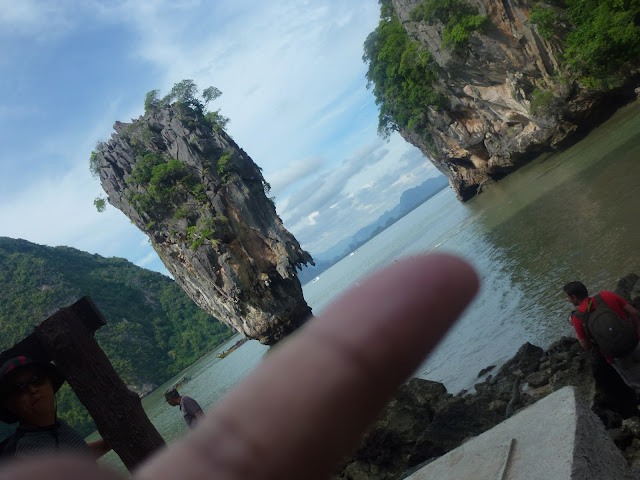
(454,270)
(67,467)
(413,280)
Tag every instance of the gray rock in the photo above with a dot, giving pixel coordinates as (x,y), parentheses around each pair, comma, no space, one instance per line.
(632,425)
(628,287)
(424,422)
(211,223)
(538,379)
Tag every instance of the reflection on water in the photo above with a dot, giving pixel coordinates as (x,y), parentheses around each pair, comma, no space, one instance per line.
(561,218)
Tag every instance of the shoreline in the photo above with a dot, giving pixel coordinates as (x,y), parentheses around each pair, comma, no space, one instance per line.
(424,421)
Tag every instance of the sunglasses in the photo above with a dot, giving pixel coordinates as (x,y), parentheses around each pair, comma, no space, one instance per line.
(20,387)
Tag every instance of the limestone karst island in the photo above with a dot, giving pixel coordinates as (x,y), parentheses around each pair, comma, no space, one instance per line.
(530,112)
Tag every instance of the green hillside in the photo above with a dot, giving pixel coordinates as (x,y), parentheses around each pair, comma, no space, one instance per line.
(154,330)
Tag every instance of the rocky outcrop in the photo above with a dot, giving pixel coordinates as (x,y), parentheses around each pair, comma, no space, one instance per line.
(490,128)
(201,200)
(424,421)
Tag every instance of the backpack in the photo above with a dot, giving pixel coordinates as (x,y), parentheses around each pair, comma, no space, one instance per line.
(614,336)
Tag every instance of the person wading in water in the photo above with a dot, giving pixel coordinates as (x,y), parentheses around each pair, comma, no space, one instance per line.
(190,409)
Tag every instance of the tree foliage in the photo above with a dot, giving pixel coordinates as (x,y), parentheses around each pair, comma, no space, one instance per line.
(153,329)
(217,120)
(185,97)
(100,204)
(167,182)
(545,18)
(542,101)
(151,101)
(603,38)
(459,19)
(94,168)
(209,94)
(402,75)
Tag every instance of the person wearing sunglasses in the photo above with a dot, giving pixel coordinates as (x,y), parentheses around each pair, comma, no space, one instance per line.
(27,396)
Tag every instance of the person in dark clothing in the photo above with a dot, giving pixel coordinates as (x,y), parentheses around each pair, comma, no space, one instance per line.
(27,393)
(190,409)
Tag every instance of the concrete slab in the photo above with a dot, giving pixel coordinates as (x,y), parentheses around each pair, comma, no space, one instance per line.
(557,438)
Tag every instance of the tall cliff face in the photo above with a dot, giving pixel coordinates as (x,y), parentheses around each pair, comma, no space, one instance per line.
(489,128)
(201,200)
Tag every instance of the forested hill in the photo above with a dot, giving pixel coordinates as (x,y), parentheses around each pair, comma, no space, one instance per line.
(154,330)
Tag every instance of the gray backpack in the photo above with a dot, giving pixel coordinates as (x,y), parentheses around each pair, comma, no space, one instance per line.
(614,336)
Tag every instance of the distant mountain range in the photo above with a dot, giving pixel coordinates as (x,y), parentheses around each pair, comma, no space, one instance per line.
(409,200)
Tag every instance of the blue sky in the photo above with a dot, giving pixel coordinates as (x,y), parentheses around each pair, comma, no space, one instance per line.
(293,85)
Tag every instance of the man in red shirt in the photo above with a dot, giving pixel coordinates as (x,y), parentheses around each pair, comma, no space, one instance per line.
(628,365)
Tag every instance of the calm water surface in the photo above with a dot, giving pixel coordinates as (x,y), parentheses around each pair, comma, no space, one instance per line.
(570,216)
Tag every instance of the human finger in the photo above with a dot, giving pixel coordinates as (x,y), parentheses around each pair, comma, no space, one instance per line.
(64,467)
(307,404)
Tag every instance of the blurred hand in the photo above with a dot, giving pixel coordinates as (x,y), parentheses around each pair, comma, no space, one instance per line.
(306,406)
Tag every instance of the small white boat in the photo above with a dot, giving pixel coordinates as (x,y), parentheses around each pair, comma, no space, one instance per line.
(316,279)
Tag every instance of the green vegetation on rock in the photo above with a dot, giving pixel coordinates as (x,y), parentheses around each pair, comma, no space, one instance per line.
(224,166)
(100,203)
(184,97)
(603,37)
(600,39)
(166,180)
(164,176)
(545,18)
(458,18)
(402,74)
(542,101)
(153,332)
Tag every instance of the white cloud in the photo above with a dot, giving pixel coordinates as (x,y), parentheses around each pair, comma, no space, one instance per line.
(32,18)
(356,194)
(294,172)
(404,180)
(311,219)
(147,259)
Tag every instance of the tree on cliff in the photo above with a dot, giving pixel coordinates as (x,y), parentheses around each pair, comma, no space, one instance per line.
(403,74)
(203,202)
(600,37)
(184,97)
(606,37)
(184,94)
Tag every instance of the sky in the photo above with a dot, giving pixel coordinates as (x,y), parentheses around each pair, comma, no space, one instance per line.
(293,85)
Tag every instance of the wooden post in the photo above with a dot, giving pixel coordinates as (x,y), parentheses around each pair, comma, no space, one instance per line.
(67,338)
